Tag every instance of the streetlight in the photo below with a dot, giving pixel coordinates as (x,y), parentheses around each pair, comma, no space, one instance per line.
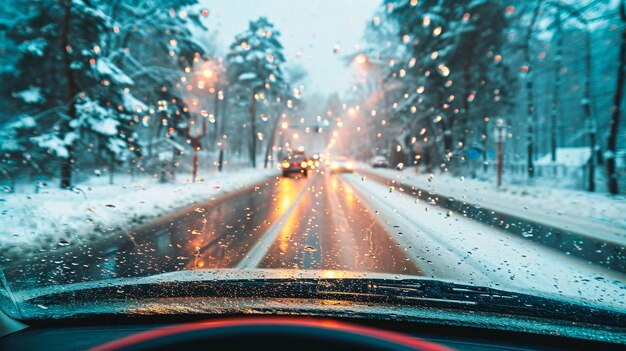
(499,134)
(361,59)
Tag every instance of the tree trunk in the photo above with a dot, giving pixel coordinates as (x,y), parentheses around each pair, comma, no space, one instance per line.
(529,91)
(222,129)
(215,131)
(587,109)
(385,116)
(467,87)
(72,90)
(253,138)
(153,137)
(112,169)
(616,110)
(558,63)
(270,142)
(175,153)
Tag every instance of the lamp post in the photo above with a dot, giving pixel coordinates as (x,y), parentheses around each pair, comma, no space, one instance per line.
(499,134)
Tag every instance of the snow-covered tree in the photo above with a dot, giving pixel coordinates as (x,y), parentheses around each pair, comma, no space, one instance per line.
(441,72)
(87,76)
(254,62)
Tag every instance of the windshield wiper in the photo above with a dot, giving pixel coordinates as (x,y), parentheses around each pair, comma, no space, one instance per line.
(414,293)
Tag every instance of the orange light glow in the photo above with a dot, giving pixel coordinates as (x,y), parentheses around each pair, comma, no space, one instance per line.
(360,59)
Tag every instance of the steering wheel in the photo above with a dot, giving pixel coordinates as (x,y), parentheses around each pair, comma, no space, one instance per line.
(271,334)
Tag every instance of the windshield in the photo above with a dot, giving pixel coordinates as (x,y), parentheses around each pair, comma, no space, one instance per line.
(479,143)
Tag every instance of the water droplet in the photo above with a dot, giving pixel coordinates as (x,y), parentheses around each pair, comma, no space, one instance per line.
(309,248)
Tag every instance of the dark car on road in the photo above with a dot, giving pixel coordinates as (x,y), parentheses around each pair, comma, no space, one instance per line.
(295,163)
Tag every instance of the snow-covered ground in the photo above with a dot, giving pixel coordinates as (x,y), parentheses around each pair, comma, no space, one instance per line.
(94,210)
(449,246)
(595,215)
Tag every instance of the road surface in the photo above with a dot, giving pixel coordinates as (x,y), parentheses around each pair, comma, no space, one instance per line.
(289,223)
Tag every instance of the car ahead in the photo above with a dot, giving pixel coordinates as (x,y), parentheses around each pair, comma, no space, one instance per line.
(379,162)
(295,163)
(341,165)
(313,163)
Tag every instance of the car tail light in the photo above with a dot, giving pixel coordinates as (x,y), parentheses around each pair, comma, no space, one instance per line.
(303,164)
(285,164)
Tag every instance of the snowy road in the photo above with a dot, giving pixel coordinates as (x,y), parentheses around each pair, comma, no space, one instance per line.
(330,222)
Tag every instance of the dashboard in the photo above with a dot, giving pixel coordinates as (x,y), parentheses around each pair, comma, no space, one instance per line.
(279,333)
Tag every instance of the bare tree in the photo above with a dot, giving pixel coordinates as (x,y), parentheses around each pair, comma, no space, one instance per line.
(72,91)
(532,116)
(616,108)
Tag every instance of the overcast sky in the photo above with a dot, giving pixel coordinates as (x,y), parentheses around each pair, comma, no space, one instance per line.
(309,30)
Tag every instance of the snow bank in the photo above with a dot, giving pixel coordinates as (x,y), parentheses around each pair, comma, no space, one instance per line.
(447,245)
(595,215)
(92,211)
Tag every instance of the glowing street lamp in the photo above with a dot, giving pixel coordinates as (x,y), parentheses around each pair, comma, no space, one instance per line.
(207,73)
(361,59)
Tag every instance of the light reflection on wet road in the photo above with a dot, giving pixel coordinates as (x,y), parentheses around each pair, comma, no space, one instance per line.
(331,230)
(324,228)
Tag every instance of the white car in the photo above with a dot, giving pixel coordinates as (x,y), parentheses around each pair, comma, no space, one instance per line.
(341,165)
(379,162)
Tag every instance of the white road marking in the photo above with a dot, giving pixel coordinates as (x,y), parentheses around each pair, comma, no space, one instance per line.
(254,257)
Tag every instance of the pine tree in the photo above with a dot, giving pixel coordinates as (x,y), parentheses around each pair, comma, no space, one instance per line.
(254,65)
(453,65)
(87,76)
